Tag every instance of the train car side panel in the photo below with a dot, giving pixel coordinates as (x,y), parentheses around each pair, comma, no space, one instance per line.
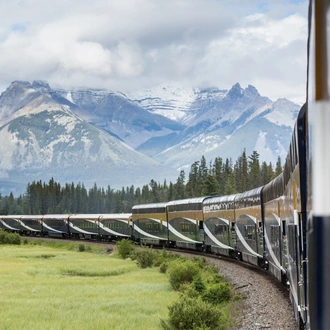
(150,224)
(219,221)
(248,226)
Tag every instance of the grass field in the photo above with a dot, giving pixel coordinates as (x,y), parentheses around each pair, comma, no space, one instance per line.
(50,288)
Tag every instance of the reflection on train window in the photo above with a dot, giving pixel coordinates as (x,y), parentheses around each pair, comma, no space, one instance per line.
(84,224)
(274,234)
(152,227)
(220,229)
(186,207)
(249,232)
(114,225)
(148,210)
(292,234)
(187,228)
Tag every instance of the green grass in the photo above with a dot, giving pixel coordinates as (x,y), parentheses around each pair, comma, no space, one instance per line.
(51,287)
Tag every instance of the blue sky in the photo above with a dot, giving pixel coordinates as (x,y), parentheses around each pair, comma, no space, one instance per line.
(127,45)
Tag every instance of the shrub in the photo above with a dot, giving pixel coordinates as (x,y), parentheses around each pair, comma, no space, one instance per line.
(165,256)
(198,283)
(192,314)
(14,238)
(9,238)
(163,267)
(217,293)
(182,271)
(81,247)
(125,247)
(188,290)
(2,236)
(146,257)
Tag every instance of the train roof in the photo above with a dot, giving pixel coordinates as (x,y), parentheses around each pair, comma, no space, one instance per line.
(220,199)
(69,216)
(109,216)
(195,200)
(149,206)
(250,193)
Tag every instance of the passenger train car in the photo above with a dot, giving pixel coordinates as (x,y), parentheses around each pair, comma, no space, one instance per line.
(150,224)
(219,225)
(283,227)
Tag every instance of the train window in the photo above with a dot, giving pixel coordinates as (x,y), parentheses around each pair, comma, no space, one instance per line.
(152,227)
(218,229)
(284,227)
(249,231)
(274,234)
(187,228)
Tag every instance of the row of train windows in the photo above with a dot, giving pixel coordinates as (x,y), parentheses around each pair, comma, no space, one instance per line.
(85,224)
(90,225)
(116,225)
(152,227)
(171,208)
(291,160)
(246,202)
(274,189)
(149,210)
(221,206)
(188,228)
(186,207)
(184,228)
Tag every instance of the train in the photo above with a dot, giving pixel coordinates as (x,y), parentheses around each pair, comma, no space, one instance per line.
(282,227)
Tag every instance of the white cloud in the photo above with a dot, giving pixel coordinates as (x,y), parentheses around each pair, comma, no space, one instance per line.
(130,44)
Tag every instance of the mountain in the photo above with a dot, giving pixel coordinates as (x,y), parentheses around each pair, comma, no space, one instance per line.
(222,123)
(118,115)
(175,126)
(42,138)
(176,103)
(116,138)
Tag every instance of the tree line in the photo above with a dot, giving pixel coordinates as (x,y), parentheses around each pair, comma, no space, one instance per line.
(216,178)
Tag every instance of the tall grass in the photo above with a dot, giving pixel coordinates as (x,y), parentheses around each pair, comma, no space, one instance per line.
(46,287)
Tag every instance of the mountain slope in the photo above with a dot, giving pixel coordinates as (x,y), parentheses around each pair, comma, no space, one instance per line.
(44,139)
(266,129)
(119,116)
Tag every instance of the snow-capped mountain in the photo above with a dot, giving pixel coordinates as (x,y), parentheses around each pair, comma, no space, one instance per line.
(121,139)
(174,102)
(116,114)
(42,138)
(223,123)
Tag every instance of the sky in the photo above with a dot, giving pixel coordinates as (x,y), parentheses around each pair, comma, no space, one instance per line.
(129,45)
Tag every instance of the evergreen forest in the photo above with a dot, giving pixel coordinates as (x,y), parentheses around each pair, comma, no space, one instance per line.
(215,178)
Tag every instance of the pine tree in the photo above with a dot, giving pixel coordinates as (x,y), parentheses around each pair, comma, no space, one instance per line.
(179,188)
(254,170)
(211,186)
(193,184)
(278,168)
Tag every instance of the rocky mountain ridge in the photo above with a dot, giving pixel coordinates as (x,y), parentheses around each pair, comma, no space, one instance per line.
(121,139)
